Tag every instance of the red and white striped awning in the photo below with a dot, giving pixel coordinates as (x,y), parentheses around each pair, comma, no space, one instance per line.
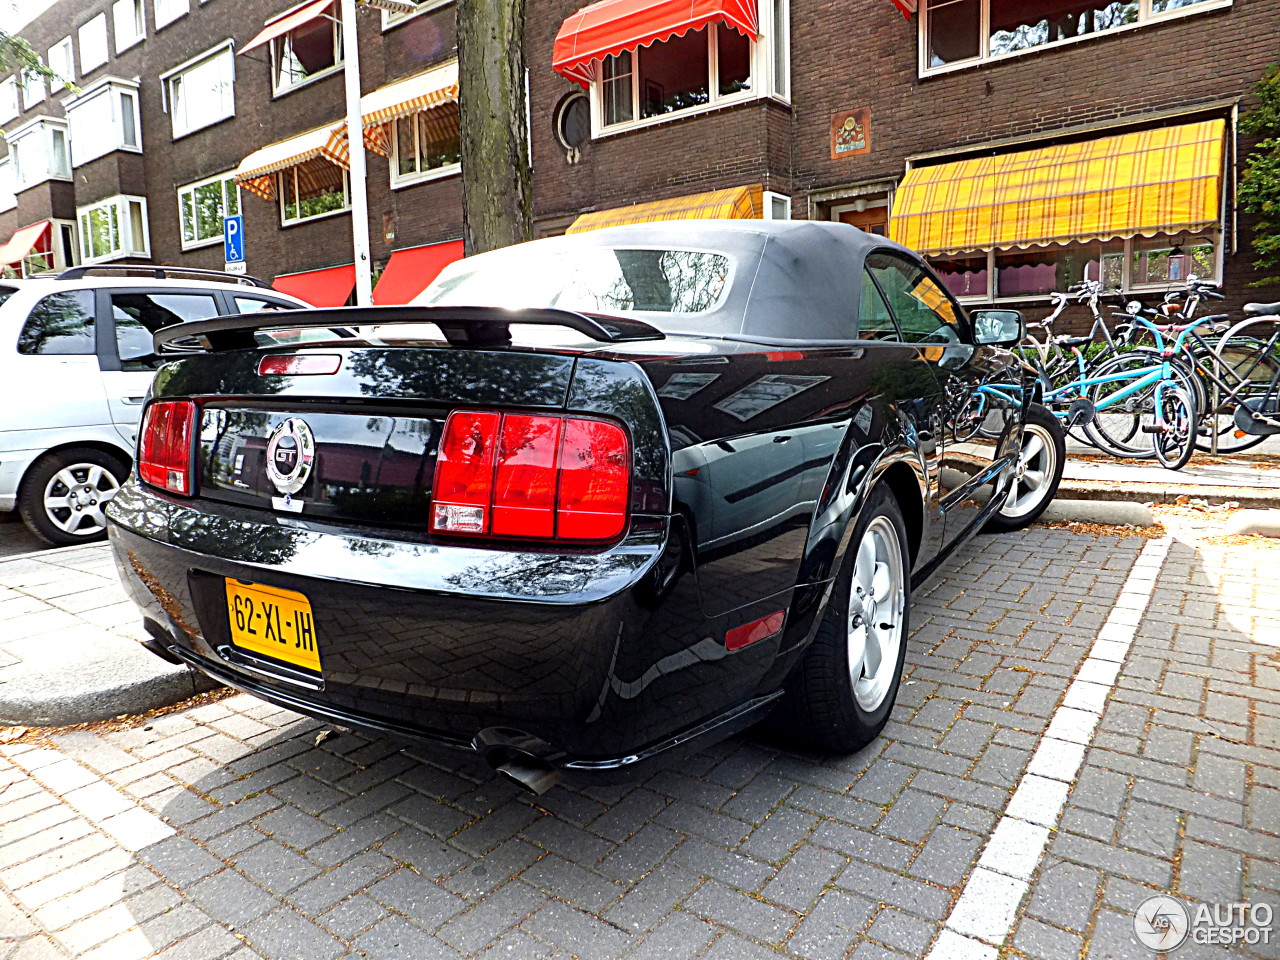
(257,171)
(433,92)
(908,7)
(279,26)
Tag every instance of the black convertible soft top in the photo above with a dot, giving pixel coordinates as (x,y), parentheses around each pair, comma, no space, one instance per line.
(791,280)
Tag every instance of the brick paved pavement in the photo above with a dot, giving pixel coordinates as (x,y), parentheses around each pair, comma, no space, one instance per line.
(227,831)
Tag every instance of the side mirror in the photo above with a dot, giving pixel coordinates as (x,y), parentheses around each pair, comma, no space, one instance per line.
(998,328)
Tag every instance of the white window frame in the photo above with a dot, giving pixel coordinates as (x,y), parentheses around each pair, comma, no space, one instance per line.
(164,11)
(129,245)
(114,89)
(399,180)
(277,44)
(92,37)
(225,48)
(294,221)
(390,20)
(770,199)
(1126,266)
(42,127)
(1146,17)
(8,186)
(33,89)
(764,82)
(227,178)
(62,60)
(10,105)
(129,19)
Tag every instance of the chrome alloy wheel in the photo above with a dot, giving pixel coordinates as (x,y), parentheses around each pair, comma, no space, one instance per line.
(1033,476)
(876,604)
(75,495)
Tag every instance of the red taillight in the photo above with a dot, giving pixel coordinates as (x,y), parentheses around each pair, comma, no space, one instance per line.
(530,476)
(299,365)
(164,452)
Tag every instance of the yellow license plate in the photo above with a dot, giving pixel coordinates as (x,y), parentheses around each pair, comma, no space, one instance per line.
(273,622)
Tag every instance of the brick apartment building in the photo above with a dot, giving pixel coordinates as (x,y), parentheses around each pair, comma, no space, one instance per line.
(1023,145)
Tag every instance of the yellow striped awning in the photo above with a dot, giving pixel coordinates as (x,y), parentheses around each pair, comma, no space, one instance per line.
(257,171)
(734,203)
(434,90)
(1133,184)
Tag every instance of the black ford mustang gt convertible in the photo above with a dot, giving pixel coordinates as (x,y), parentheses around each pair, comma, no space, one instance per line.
(592,500)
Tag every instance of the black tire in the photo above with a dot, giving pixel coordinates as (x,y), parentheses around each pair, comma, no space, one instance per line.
(820,708)
(1027,506)
(62,527)
(1177,441)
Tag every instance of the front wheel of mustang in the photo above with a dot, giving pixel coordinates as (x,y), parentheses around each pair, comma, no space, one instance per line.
(1041,460)
(839,697)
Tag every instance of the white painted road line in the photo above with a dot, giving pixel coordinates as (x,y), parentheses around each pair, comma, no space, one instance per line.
(983,917)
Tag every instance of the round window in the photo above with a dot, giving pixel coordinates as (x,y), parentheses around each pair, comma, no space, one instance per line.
(573,121)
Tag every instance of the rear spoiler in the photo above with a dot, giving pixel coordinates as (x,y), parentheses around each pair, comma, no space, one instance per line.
(461,326)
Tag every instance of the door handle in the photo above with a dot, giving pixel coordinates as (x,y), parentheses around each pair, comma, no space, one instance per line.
(781,439)
(133,401)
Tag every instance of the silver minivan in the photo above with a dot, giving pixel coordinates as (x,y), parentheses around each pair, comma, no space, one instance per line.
(76,361)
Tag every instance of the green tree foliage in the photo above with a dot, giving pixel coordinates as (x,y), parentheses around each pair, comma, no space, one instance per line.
(1260,182)
(16,54)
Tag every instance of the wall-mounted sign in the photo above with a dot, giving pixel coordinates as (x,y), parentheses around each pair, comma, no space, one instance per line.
(851,133)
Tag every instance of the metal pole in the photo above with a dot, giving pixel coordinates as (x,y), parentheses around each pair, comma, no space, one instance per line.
(355,143)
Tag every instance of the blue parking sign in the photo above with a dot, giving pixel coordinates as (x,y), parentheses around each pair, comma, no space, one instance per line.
(233,239)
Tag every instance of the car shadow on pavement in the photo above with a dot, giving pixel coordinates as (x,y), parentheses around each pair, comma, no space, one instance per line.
(305,841)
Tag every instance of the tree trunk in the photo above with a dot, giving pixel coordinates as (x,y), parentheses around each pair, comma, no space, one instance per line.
(496,194)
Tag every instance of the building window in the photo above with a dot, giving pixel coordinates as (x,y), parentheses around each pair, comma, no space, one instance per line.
(1143,263)
(700,70)
(202,207)
(202,91)
(777,206)
(130,23)
(962,32)
(312,189)
(426,145)
(93,43)
(62,61)
(33,89)
(9,99)
(38,151)
(390,19)
(103,119)
(306,52)
(168,11)
(113,228)
(8,186)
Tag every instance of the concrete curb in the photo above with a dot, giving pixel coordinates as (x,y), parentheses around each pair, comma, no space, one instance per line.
(1264,523)
(1168,493)
(1114,512)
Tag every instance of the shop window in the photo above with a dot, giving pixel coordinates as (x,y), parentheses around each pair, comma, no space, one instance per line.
(427,145)
(93,43)
(313,189)
(202,207)
(1036,272)
(113,228)
(130,23)
(306,52)
(700,70)
(201,92)
(102,119)
(960,32)
(62,61)
(168,11)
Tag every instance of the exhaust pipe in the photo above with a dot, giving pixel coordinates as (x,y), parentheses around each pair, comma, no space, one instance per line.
(536,776)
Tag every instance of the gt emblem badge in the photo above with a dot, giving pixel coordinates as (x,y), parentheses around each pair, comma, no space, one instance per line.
(291,452)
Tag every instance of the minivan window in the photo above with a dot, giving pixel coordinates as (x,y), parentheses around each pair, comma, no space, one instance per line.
(139,314)
(61,323)
(255,304)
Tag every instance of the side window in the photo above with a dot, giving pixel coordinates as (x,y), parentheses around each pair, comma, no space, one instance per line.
(60,323)
(923,310)
(255,304)
(139,314)
(875,322)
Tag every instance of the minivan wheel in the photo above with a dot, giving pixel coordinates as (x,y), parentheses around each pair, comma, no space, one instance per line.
(840,695)
(64,493)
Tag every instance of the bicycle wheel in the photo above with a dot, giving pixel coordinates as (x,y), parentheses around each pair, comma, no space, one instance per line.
(1123,425)
(1174,429)
(1253,371)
